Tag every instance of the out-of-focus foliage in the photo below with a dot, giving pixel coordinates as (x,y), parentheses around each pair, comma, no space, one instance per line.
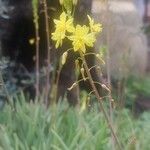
(32,126)
(136,87)
(14,77)
(147,29)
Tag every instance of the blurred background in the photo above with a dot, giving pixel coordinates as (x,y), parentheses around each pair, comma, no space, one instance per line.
(126,35)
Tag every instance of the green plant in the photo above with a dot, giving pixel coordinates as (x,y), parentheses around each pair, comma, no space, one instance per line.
(61,127)
(136,87)
(32,126)
(82,37)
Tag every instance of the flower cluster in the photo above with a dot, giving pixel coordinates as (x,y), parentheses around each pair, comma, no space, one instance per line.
(81,36)
(65,24)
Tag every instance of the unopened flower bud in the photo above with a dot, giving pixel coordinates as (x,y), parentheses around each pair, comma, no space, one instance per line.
(82,73)
(64,57)
(61,2)
(77,63)
(98,55)
(113,103)
(88,99)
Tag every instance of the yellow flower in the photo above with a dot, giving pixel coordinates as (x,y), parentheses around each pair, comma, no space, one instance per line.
(81,38)
(58,37)
(65,24)
(96,28)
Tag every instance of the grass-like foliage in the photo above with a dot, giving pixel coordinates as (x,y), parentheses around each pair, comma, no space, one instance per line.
(61,127)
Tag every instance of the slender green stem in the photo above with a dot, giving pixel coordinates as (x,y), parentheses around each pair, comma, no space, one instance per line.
(37,59)
(37,63)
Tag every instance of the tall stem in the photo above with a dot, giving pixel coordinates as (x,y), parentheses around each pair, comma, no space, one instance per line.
(35,6)
(100,101)
(37,62)
(48,51)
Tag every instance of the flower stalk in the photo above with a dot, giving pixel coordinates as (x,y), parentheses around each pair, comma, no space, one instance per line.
(82,37)
(95,91)
(37,37)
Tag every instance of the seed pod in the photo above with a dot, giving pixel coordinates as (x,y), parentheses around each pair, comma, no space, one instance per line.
(64,57)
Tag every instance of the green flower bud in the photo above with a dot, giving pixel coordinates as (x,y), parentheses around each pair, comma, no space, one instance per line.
(82,73)
(64,57)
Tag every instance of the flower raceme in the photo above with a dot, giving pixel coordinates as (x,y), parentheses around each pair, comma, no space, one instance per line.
(81,36)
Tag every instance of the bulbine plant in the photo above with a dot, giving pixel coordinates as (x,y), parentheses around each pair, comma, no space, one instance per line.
(81,37)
